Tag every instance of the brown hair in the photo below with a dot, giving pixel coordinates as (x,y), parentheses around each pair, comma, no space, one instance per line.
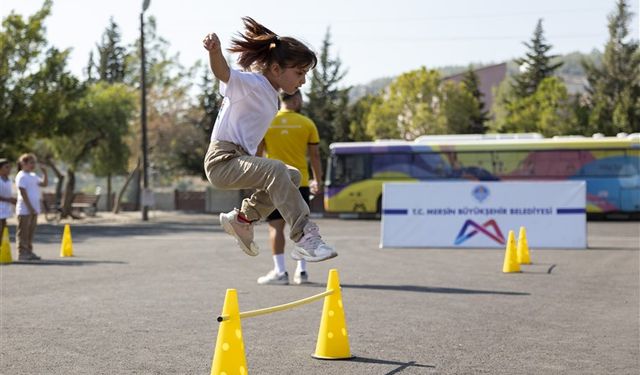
(25,158)
(260,47)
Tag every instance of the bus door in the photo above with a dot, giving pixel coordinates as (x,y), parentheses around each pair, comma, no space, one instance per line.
(601,169)
(346,175)
(629,177)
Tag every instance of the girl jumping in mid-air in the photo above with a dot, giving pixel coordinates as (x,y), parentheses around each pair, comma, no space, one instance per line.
(270,63)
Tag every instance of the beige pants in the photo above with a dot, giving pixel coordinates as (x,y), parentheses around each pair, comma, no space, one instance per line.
(24,233)
(228,166)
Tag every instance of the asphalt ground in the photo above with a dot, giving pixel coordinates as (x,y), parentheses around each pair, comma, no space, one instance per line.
(142,298)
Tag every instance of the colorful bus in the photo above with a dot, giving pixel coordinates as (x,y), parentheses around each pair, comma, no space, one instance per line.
(609,165)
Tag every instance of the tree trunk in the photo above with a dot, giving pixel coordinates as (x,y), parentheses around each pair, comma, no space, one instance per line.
(60,181)
(67,198)
(109,192)
(116,207)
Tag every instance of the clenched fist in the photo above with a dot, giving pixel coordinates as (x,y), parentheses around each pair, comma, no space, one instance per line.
(211,42)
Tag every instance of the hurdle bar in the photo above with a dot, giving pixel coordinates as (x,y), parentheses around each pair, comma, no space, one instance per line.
(333,340)
(285,306)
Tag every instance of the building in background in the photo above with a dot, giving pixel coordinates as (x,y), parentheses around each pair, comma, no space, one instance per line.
(489,77)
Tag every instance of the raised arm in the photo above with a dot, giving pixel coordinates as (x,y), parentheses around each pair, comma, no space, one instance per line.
(45,179)
(218,64)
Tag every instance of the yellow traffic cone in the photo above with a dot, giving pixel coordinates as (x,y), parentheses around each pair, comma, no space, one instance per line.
(510,257)
(229,357)
(523,247)
(333,339)
(5,247)
(66,248)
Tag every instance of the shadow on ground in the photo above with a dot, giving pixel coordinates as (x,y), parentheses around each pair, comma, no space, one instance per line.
(65,262)
(49,233)
(402,365)
(422,289)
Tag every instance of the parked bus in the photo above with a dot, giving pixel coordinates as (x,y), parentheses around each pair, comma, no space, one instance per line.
(609,165)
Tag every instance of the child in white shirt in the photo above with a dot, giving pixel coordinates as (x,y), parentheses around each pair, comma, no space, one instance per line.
(28,204)
(7,201)
(271,63)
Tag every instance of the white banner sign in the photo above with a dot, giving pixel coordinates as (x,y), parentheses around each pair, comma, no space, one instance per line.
(481,214)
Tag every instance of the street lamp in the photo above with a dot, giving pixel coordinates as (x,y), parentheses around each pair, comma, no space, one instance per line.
(143,117)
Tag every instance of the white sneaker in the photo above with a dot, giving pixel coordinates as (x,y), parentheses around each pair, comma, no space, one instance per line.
(243,232)
(311,247)
(301,278)
(274,278)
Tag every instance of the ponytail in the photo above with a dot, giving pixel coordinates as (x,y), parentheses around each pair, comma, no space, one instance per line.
(260,47)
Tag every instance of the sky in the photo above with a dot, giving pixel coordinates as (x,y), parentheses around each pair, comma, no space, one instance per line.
(372,38)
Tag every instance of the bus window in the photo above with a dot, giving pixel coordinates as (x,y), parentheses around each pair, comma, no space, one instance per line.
(558,163)
(390,165)
(348,168)
(473,165)
(429,165)
(604,163)
(514,163)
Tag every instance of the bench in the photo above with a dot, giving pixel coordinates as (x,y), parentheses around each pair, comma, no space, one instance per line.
(87,203)
(49,203)
(82,203)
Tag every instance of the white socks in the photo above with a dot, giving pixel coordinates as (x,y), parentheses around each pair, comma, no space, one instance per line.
(302,266)
(279,266)
(278,262)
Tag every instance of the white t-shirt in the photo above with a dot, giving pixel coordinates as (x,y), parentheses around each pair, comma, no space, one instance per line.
(6,208)
(31,183)
(250,103)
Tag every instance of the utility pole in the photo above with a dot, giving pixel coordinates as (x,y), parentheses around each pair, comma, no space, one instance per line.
(143,118)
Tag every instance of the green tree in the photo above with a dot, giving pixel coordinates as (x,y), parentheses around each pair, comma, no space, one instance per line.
(460,109)
(193,142)
(536,65)
(112,56)
(358,112)
(110,69)
(170,112)
(327,102)
(614,86)
(479,118)
(409,108)
(548,110)
(36,90)
(100,121)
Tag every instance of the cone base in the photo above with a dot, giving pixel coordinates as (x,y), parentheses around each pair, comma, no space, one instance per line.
(332,358)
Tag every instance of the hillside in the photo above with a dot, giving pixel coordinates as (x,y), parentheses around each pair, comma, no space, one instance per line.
(571,72)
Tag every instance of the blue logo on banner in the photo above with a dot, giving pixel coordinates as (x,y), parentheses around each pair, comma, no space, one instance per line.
(480,193)
(476,228)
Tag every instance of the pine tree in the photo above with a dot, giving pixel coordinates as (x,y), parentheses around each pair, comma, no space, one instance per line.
(209,100)
(614,87)
(110,69)
(472,84)
(535,66)
(90,70)
(327,103)
(112,55)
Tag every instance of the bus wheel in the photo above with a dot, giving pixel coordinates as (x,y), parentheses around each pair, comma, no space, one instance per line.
(379,206)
